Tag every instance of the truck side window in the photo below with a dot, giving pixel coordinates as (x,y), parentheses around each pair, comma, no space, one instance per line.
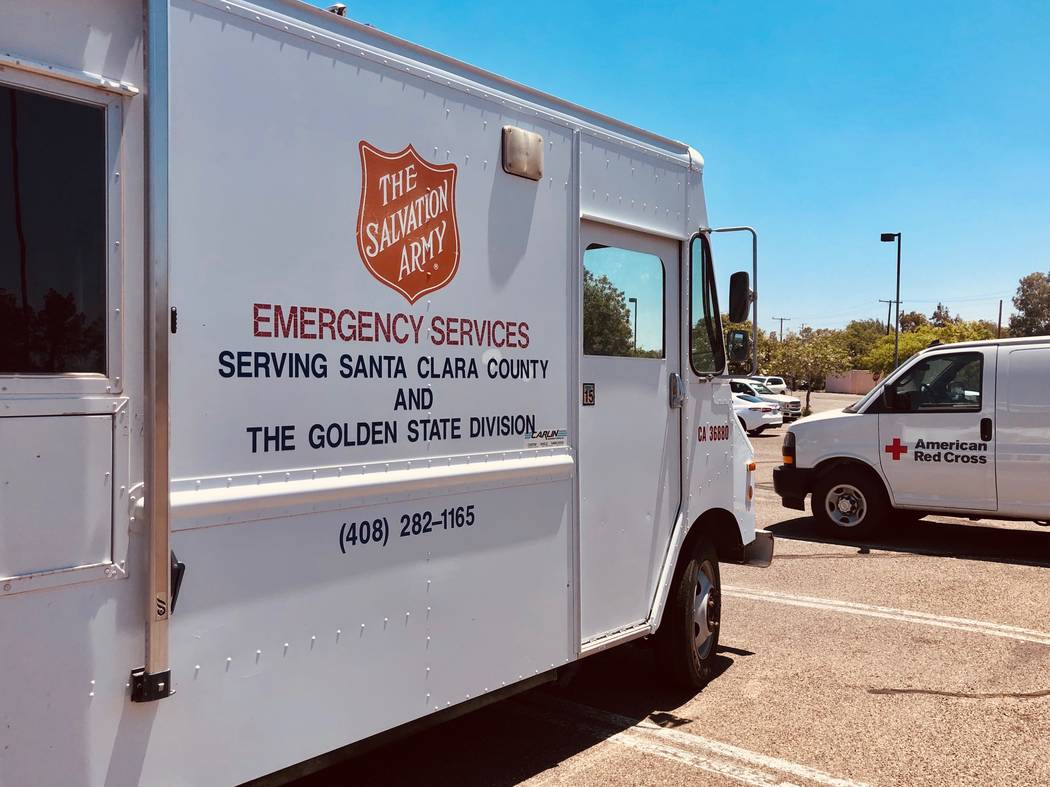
(52,234)
(706,352)
(623,303)
(944,383)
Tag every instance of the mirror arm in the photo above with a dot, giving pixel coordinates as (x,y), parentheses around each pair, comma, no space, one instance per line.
(754,287)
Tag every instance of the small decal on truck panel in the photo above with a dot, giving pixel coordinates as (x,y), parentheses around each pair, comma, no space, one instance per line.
(406,223)
(546,438)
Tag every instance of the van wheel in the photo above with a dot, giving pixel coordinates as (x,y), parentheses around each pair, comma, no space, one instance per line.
(848,502)
(688,636)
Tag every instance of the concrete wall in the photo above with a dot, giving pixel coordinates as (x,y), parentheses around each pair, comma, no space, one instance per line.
(855,381)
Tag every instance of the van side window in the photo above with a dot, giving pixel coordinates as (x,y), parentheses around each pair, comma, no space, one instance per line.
(623,303)
(52,234)
(706,352)
(940,383)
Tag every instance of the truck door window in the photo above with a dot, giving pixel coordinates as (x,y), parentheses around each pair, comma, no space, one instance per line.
(706,352)
(941,383)
(623,303)
(52,234)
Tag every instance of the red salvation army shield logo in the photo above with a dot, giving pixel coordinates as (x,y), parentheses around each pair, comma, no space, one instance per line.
(406,224)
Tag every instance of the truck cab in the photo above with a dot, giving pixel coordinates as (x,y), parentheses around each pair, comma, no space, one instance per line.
(959,429)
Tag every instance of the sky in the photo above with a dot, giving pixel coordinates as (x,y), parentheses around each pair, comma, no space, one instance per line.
(821,124)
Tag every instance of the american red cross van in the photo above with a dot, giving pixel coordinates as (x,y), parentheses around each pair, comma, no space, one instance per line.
(961,429)
(343,386)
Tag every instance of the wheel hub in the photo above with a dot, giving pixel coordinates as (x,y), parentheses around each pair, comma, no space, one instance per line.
(705,612)
(846,505)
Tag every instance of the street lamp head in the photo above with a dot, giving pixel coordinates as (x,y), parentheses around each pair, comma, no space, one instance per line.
(632,300)
(889,237)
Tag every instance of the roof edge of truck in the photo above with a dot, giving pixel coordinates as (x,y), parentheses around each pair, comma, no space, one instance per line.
(568,110)
(1012,341)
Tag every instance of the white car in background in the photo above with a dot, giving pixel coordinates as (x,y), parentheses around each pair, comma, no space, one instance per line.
(790,406)
(775,384)
(756,415)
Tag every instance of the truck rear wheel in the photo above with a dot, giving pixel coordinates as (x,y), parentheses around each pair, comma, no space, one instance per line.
(688,636)
(849,502)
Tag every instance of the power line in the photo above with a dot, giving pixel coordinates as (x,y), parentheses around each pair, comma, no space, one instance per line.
(782,321)
(889,307)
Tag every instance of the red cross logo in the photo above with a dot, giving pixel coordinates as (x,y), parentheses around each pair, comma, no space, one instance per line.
(896,448)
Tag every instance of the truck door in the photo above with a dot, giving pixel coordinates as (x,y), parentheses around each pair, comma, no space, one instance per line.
(1022,439)
(936,437)
(630,454)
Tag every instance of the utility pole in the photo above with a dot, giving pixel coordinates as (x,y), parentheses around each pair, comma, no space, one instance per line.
(889,237)
(635,302)
(782,320)
(999,327)
(889,306)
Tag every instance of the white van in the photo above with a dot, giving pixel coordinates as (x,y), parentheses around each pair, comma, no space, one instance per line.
(960,429)
(343,386)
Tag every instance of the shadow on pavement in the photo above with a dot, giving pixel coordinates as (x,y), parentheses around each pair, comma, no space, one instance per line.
(970,541)
(513,740)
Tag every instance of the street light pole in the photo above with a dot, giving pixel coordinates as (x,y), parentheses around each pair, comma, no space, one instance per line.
(635,302)
(889,237)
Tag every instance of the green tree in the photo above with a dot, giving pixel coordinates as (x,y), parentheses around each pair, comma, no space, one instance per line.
(859,336)
(1032,302)
(880,357)
(912,321)
(606,318)
(810,356)
(942,316)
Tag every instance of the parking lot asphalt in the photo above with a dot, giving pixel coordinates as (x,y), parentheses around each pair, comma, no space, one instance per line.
(921,658)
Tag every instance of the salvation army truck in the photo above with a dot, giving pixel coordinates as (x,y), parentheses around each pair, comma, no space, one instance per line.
(960,429)
(343,387)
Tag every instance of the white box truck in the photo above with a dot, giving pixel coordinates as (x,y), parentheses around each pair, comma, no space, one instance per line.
(959,429)
(343,386)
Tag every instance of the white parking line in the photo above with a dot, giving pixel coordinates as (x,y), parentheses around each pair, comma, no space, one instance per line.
(889,613)
(677,745)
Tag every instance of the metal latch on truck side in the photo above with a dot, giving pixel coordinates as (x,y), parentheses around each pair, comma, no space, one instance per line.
(676,391)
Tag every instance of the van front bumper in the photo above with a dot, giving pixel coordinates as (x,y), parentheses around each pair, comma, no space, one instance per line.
(793,484)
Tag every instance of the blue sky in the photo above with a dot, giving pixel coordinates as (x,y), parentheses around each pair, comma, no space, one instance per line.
(822,124)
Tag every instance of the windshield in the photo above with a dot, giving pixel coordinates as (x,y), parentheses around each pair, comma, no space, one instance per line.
(748,398)
(761,388)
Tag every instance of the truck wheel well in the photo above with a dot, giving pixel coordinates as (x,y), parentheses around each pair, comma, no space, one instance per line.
(721,527)
(831,464)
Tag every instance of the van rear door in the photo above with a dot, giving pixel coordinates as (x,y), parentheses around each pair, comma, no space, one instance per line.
(936,436)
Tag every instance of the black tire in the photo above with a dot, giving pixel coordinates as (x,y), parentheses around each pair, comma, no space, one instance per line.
(742,424)
(865,494)
(684,663)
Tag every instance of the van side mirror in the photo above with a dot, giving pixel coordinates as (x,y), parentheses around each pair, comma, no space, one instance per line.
(896,401)
(738,345)
(739,296)
(889,397)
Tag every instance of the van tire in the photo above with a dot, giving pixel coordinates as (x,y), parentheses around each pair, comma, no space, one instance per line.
(849,486)
(683,662)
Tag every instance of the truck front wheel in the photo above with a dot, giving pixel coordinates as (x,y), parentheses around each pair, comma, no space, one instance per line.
(849,502)
(688,636)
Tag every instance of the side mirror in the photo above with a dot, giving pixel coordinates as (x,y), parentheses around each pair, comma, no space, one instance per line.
(738,345)
(897,401)
(889,397)
(739,296)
